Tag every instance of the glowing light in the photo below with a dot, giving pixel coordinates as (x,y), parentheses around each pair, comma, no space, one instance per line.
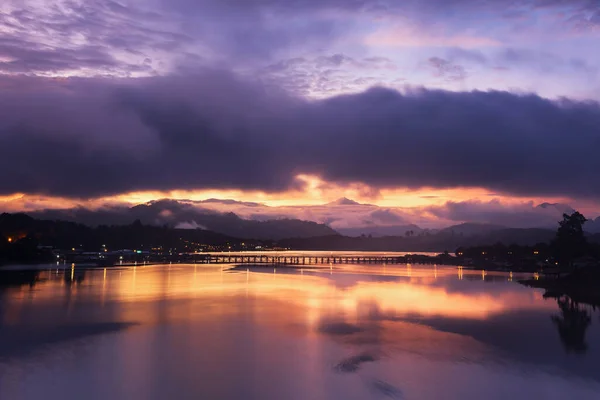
(10,240)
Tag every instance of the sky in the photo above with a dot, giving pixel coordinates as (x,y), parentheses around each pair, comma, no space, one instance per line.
(412,106)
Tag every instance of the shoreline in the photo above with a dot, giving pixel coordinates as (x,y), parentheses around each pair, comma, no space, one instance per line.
(582,286)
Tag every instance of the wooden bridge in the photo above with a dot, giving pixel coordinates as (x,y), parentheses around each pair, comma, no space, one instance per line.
(311,260)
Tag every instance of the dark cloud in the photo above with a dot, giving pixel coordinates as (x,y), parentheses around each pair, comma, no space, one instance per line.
(91,137)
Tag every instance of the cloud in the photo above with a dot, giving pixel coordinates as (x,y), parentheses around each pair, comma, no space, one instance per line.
(92,137)
(23,57)
(85,38)
(386,217)
(519,215)
(190,225)
(447,70)
(312,48)
(330,75)
(401,37)
(343,213)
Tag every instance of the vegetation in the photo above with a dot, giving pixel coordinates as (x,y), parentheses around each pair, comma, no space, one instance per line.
(26,240)
(570,242)
(23,238)
(569,248)
(576,276)
(22,250)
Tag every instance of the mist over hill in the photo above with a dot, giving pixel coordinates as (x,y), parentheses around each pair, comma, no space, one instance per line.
(338,219)
(67,234)
(184,215)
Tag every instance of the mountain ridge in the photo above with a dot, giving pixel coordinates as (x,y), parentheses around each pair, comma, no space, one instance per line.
(345,216)
(177,214)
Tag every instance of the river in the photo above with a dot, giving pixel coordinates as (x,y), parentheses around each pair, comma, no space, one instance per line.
(332,332)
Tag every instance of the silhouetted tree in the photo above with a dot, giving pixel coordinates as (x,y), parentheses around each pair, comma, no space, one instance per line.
(570,242)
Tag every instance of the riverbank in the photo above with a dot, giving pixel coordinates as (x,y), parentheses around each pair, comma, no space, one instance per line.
(582,286)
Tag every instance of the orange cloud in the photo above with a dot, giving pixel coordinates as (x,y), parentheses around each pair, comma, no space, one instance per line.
(312,191)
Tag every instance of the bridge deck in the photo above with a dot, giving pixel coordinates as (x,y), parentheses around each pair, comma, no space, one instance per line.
(311,260)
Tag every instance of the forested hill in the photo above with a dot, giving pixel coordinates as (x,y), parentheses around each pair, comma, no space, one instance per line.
(62,234)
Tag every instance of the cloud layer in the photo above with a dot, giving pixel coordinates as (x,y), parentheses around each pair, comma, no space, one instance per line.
(92,137)
(105,97)
(524,44)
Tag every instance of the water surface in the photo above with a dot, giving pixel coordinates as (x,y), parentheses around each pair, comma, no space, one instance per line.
(339,332)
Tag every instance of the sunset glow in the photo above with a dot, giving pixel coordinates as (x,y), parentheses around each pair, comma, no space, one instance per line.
(299,199)
(432,113)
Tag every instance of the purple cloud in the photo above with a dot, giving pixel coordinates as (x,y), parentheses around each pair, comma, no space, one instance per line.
(90,137)
(262,37)
(520,215)
(447,70)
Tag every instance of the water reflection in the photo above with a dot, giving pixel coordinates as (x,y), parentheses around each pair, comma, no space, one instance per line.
(572,324)
(17,278)
(352,331)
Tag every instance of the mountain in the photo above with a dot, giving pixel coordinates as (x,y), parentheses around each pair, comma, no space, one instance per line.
(380,231)
(592,225)
(508,236)
(64,234)
(187,215)
(344,201)
(424,241)
(471,229)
